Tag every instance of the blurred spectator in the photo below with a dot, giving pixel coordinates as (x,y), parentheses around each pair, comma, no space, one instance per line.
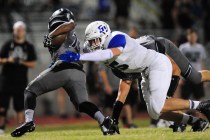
(16,56)
(196,54)
(167,17)
(103,9)
(133,32)
(61,103)
(7,11)
(122,13)
(62,106)
(185,16)
(178,14)
(92,78)
(206,26)
(51,5)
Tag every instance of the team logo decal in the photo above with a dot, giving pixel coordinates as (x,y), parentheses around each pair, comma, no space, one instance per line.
(102,28)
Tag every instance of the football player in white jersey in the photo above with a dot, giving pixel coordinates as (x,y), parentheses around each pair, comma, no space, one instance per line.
(129,59)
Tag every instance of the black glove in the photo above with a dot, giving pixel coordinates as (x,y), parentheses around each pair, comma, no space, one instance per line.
(47,41)
(114,128)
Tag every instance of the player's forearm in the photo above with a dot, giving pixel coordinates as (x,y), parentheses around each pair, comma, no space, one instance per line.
(62,29)
(29,64)
(99,55)
(124,88)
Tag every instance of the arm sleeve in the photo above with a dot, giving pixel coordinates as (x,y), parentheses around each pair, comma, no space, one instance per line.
(99,55)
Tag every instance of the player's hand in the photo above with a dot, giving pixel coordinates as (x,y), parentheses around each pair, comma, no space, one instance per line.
(47,41)
(69,56)
(114,128)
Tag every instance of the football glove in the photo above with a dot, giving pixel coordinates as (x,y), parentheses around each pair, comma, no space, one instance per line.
(114,128)
(69,56)
(47,41)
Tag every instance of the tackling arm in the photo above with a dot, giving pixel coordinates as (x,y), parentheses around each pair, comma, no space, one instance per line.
(100,55)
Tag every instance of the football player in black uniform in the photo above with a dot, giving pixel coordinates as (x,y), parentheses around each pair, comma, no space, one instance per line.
(69,76)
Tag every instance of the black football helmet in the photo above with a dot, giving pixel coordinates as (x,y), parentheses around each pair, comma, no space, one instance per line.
(59,17)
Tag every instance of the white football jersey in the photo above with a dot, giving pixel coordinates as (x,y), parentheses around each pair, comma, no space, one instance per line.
(134,57)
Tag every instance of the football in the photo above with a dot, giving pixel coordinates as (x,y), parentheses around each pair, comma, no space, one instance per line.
(58,40)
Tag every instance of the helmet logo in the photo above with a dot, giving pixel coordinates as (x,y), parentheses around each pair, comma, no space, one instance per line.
(68,16)
(102,29)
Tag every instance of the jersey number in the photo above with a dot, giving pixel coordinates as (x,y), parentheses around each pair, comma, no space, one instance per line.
(115,65)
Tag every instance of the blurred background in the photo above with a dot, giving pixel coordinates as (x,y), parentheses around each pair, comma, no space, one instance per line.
(166,18)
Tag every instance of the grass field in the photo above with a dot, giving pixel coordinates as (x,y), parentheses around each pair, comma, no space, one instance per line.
(90,131)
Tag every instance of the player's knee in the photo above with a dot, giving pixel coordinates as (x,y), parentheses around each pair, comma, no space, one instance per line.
(29,100)
(28,95)
(154,114)
(153,110)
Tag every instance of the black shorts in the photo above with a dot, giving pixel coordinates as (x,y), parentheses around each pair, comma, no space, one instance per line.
(18,100)
(189,88)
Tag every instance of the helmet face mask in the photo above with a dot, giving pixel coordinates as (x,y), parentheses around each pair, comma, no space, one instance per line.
(94,44)
(95,35)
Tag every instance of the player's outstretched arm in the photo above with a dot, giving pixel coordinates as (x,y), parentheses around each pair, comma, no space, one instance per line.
(99,55)
(63,28)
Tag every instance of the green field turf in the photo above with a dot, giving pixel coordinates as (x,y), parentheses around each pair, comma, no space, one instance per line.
(90,131)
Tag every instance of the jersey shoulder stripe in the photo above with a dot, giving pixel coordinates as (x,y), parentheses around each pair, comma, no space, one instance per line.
(117,41)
